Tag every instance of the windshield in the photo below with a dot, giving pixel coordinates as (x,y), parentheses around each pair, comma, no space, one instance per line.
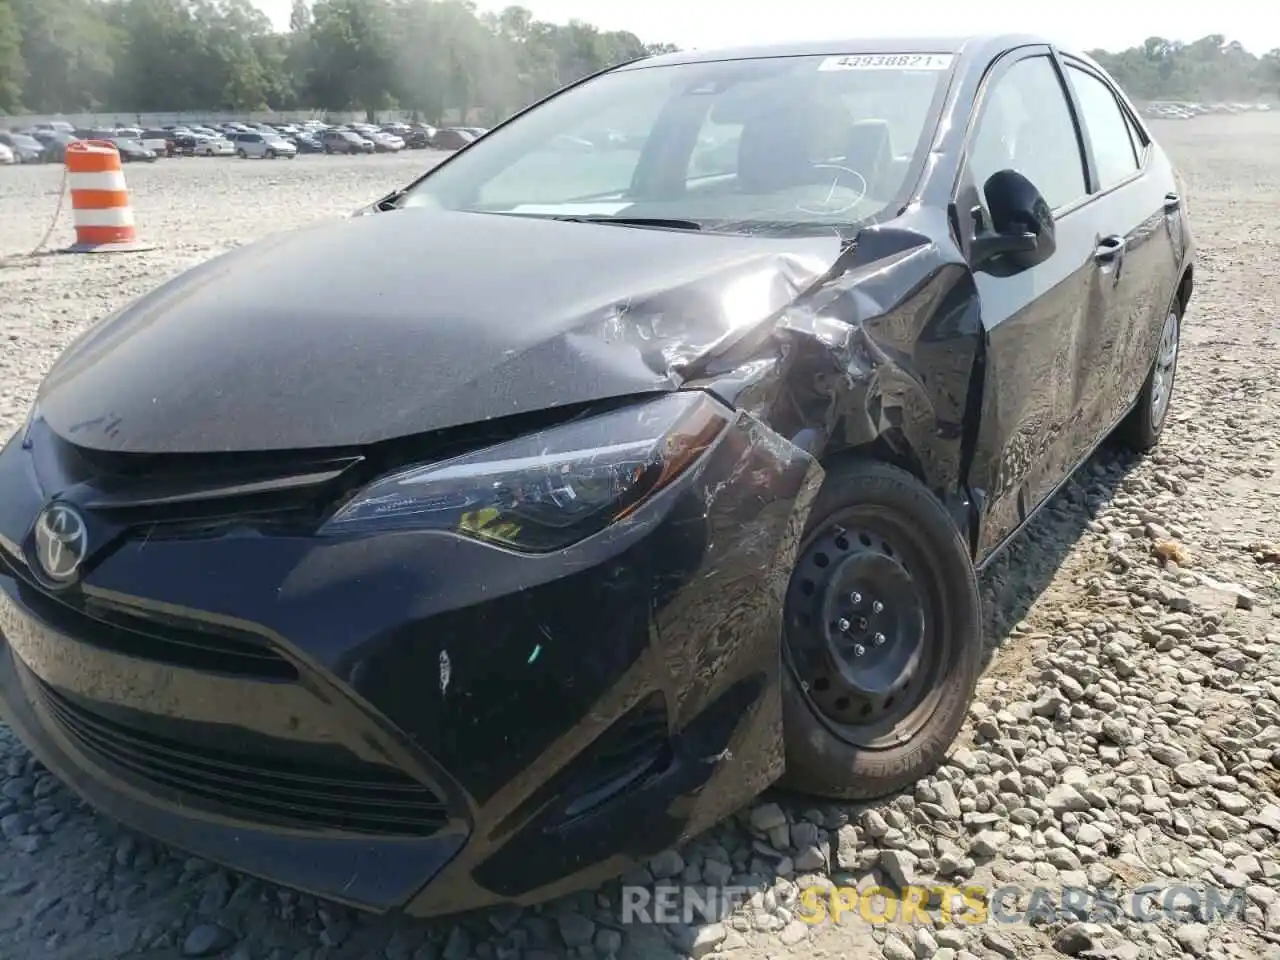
(756,145)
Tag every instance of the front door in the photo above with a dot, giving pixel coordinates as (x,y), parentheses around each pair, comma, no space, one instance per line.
(1035,320)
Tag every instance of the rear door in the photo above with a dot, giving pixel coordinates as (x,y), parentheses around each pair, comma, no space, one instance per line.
(1034,319)
(1133,197)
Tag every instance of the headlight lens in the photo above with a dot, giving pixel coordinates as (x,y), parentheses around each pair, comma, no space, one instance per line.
(549,489)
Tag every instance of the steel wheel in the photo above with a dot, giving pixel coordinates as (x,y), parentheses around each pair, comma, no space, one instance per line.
(862,628)
(1166,365)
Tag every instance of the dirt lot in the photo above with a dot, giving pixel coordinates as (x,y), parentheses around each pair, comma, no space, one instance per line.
(1127,732)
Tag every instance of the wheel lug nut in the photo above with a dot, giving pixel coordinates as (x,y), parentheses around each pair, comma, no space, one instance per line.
(859,650)
(843,624)
(877,607)
(879,639)
(855,597)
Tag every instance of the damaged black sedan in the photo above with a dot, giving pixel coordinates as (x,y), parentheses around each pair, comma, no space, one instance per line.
(640,455)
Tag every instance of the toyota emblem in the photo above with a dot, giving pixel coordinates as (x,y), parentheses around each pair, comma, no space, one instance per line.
(61,541)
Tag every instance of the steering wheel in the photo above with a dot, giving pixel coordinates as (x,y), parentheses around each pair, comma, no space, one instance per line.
(839,177)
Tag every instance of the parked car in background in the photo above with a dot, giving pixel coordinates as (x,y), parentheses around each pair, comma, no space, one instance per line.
(157,141)
(345,141)
(306,143)
(25,148)
(56,126)
(183,144)
(452,138)
(262,146)
(384,142)
(151,139)
(55,143)
(133,151)
(199,145)
(418,138)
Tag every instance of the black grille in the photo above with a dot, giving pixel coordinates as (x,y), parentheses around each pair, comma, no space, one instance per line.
(351,797)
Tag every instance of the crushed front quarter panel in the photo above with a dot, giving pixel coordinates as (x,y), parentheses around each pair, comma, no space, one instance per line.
(884,355)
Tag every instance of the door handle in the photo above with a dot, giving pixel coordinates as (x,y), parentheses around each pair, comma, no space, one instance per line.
(1171,202)
(1109,249)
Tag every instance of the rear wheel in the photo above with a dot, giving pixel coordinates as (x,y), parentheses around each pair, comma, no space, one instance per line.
(882,636)
(1141,430)
(241,154)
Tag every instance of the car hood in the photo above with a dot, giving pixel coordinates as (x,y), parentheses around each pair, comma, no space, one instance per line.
(399,323)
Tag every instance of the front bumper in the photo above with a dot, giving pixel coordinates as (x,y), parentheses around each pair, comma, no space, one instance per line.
(415,721)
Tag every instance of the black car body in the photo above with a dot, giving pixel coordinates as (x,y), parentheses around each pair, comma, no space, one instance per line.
(306,143)
(55,143)
(183,144)
(452,138)
(132,151)
(416,138)
(344,141)
(430,602)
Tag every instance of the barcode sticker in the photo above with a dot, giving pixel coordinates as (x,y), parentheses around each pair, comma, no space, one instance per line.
(889,61)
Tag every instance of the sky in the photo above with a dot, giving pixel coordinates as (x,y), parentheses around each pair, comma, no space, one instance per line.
(724,23)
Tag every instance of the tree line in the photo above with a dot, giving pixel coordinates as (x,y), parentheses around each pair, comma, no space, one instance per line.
(1210,70)
(431,57)
(426,56)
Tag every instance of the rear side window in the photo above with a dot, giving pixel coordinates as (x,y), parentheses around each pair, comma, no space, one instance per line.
(1109,129)
(1026,125)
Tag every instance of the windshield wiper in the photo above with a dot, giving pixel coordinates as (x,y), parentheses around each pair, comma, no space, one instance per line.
(635,222)
(391,201)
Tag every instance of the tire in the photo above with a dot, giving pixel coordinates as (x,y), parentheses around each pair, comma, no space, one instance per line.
(241,154)
(883,575)
(1141,430)
(271,154)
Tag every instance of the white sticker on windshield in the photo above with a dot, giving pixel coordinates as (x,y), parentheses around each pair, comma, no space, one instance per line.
(888,61)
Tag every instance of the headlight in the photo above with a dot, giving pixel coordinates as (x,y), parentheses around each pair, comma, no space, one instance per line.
(549,489)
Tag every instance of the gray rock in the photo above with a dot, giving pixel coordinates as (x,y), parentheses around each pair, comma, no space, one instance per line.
(1065,798)
(1077,938)
(707,939)
(900,865)
(608,943)
(575,929)
(1193,938)
(206,940)
(457,946)
(767,816)
(666,865)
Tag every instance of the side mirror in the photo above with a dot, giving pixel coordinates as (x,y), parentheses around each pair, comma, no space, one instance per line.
(1021,233)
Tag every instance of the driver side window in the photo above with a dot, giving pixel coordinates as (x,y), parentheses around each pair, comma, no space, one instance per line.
(1026,126)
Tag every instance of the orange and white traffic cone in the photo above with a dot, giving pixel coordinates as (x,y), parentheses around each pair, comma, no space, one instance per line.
(100,205)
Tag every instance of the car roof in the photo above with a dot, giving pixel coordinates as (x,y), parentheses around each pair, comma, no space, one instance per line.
(977,46)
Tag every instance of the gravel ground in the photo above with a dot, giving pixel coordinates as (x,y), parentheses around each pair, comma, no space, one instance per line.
(1127,731)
